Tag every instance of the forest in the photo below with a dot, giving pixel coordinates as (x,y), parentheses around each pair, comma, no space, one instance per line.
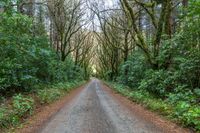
(147,50)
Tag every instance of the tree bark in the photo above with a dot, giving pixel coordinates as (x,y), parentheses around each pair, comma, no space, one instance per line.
(185,3)
(168,19)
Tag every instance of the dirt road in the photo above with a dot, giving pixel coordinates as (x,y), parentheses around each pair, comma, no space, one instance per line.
(94,110)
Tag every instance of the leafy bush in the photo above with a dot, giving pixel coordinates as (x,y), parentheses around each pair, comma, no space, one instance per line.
(157,82)
(181,93)
(49,95)
(22,105)
(17,49)
(135,68)
(54,92)
(3,121)
(187,114)
(189,70)
(192,117)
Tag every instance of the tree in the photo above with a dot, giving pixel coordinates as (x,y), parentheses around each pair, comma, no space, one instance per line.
(163,19)
(67,18)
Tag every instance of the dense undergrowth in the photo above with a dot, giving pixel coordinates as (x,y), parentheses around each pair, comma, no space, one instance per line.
(180,111)
(14,111)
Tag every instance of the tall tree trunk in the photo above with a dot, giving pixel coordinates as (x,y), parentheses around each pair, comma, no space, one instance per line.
(140,19)
(169,19)
(185,3)
(126,50)
(30,8)
(159,31)
(20,7)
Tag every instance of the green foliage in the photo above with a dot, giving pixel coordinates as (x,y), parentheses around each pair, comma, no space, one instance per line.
(135,68)
(191,32)
(22,105)
(15,26)
(49,95)
(54,92)
(3,121)
(14,51)
(27,59)
(181,94)
(189,70)
(157,82)
(187,114)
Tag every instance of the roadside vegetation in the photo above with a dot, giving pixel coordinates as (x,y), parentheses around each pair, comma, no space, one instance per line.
(15,110)
(150,51)
(174,108)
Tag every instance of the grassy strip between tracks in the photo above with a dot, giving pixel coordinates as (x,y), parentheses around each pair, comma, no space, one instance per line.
(182,113)
(17,109)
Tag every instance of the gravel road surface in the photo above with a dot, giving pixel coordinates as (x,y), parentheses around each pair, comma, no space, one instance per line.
(95,111)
